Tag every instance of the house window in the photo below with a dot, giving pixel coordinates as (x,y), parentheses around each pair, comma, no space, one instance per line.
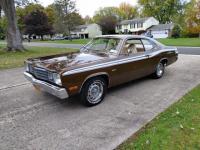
(119,27)
(132,25)
(140,25)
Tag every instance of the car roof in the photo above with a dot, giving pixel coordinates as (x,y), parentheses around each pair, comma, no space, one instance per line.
(127,36)
(121,36)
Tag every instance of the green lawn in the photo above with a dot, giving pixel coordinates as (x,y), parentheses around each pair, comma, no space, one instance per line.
(16,59)
(181,42)
(75,41)
(177,128)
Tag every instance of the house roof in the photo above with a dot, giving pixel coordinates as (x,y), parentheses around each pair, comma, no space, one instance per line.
(136,20)
(81,27)
(162,27)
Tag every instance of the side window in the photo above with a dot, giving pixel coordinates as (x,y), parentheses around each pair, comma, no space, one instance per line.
(132,46)
(148,45)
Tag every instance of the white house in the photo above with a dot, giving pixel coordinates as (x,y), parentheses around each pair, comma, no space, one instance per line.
(136,26)
(161,30)
(87,31)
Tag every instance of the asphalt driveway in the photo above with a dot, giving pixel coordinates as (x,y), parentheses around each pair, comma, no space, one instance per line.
(33,120)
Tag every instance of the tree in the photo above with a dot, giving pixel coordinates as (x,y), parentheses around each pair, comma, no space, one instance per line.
(127,11)
(0,11)
(106,11)
(14,40)
(176,31)
(36,23)
(192,18)
(164,10)
(51,13)
(64,11)
(73,19)
(107,18)
(108,24)
(3,24)
(88,20)
(30,7)
(33,7)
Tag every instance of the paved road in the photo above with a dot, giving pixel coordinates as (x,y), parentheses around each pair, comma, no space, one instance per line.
(182,50)
(32,120)
(189,50)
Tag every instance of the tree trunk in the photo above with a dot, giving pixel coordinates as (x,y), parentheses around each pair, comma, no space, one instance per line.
(41,37)
(0,11)
(14,40)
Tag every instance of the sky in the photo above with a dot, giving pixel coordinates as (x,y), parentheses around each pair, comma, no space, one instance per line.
(88,7)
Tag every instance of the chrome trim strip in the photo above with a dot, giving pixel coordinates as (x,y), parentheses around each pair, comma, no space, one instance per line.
(117,62)
(51,89)
(107,64)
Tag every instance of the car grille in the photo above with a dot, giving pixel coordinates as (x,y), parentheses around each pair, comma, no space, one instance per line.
(40,73)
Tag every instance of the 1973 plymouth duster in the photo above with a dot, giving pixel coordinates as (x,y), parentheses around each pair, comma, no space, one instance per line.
(106,61)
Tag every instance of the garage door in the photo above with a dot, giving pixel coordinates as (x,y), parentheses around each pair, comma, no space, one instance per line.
(160,34)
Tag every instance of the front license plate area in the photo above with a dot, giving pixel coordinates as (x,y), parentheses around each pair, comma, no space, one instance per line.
(38,88)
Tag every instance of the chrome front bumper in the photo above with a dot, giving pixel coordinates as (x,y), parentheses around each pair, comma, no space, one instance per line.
(44,86)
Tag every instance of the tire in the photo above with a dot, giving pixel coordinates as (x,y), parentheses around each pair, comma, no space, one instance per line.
(160,70)
(93,91)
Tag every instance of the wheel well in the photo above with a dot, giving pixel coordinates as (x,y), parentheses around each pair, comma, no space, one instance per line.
(104,76)
(164,61)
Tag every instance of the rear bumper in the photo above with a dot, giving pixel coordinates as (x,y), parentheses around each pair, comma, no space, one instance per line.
(49,88)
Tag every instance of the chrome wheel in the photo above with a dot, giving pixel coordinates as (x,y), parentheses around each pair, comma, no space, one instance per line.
(160,69)
(95,92)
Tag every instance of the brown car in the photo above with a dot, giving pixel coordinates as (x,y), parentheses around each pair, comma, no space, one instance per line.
(106,61)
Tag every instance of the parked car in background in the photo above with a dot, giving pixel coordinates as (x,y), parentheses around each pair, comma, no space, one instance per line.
(67,37)
(57,38)
(104,62)
(74,37)
(148,34)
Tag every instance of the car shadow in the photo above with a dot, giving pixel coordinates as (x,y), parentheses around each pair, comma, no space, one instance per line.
(75,102)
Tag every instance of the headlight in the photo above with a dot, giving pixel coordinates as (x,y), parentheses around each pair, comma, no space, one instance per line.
(27,67)
(56,78)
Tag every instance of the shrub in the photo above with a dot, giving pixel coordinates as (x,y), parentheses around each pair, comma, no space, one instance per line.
(176,32)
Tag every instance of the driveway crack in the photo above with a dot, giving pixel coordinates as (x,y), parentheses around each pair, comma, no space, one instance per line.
(13,86)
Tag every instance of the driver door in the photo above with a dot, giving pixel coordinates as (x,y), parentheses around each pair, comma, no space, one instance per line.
(133,61)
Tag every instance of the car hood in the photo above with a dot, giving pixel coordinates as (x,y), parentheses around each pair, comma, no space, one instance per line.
(65,62)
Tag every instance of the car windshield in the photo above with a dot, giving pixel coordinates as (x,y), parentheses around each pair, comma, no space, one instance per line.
(103,45)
